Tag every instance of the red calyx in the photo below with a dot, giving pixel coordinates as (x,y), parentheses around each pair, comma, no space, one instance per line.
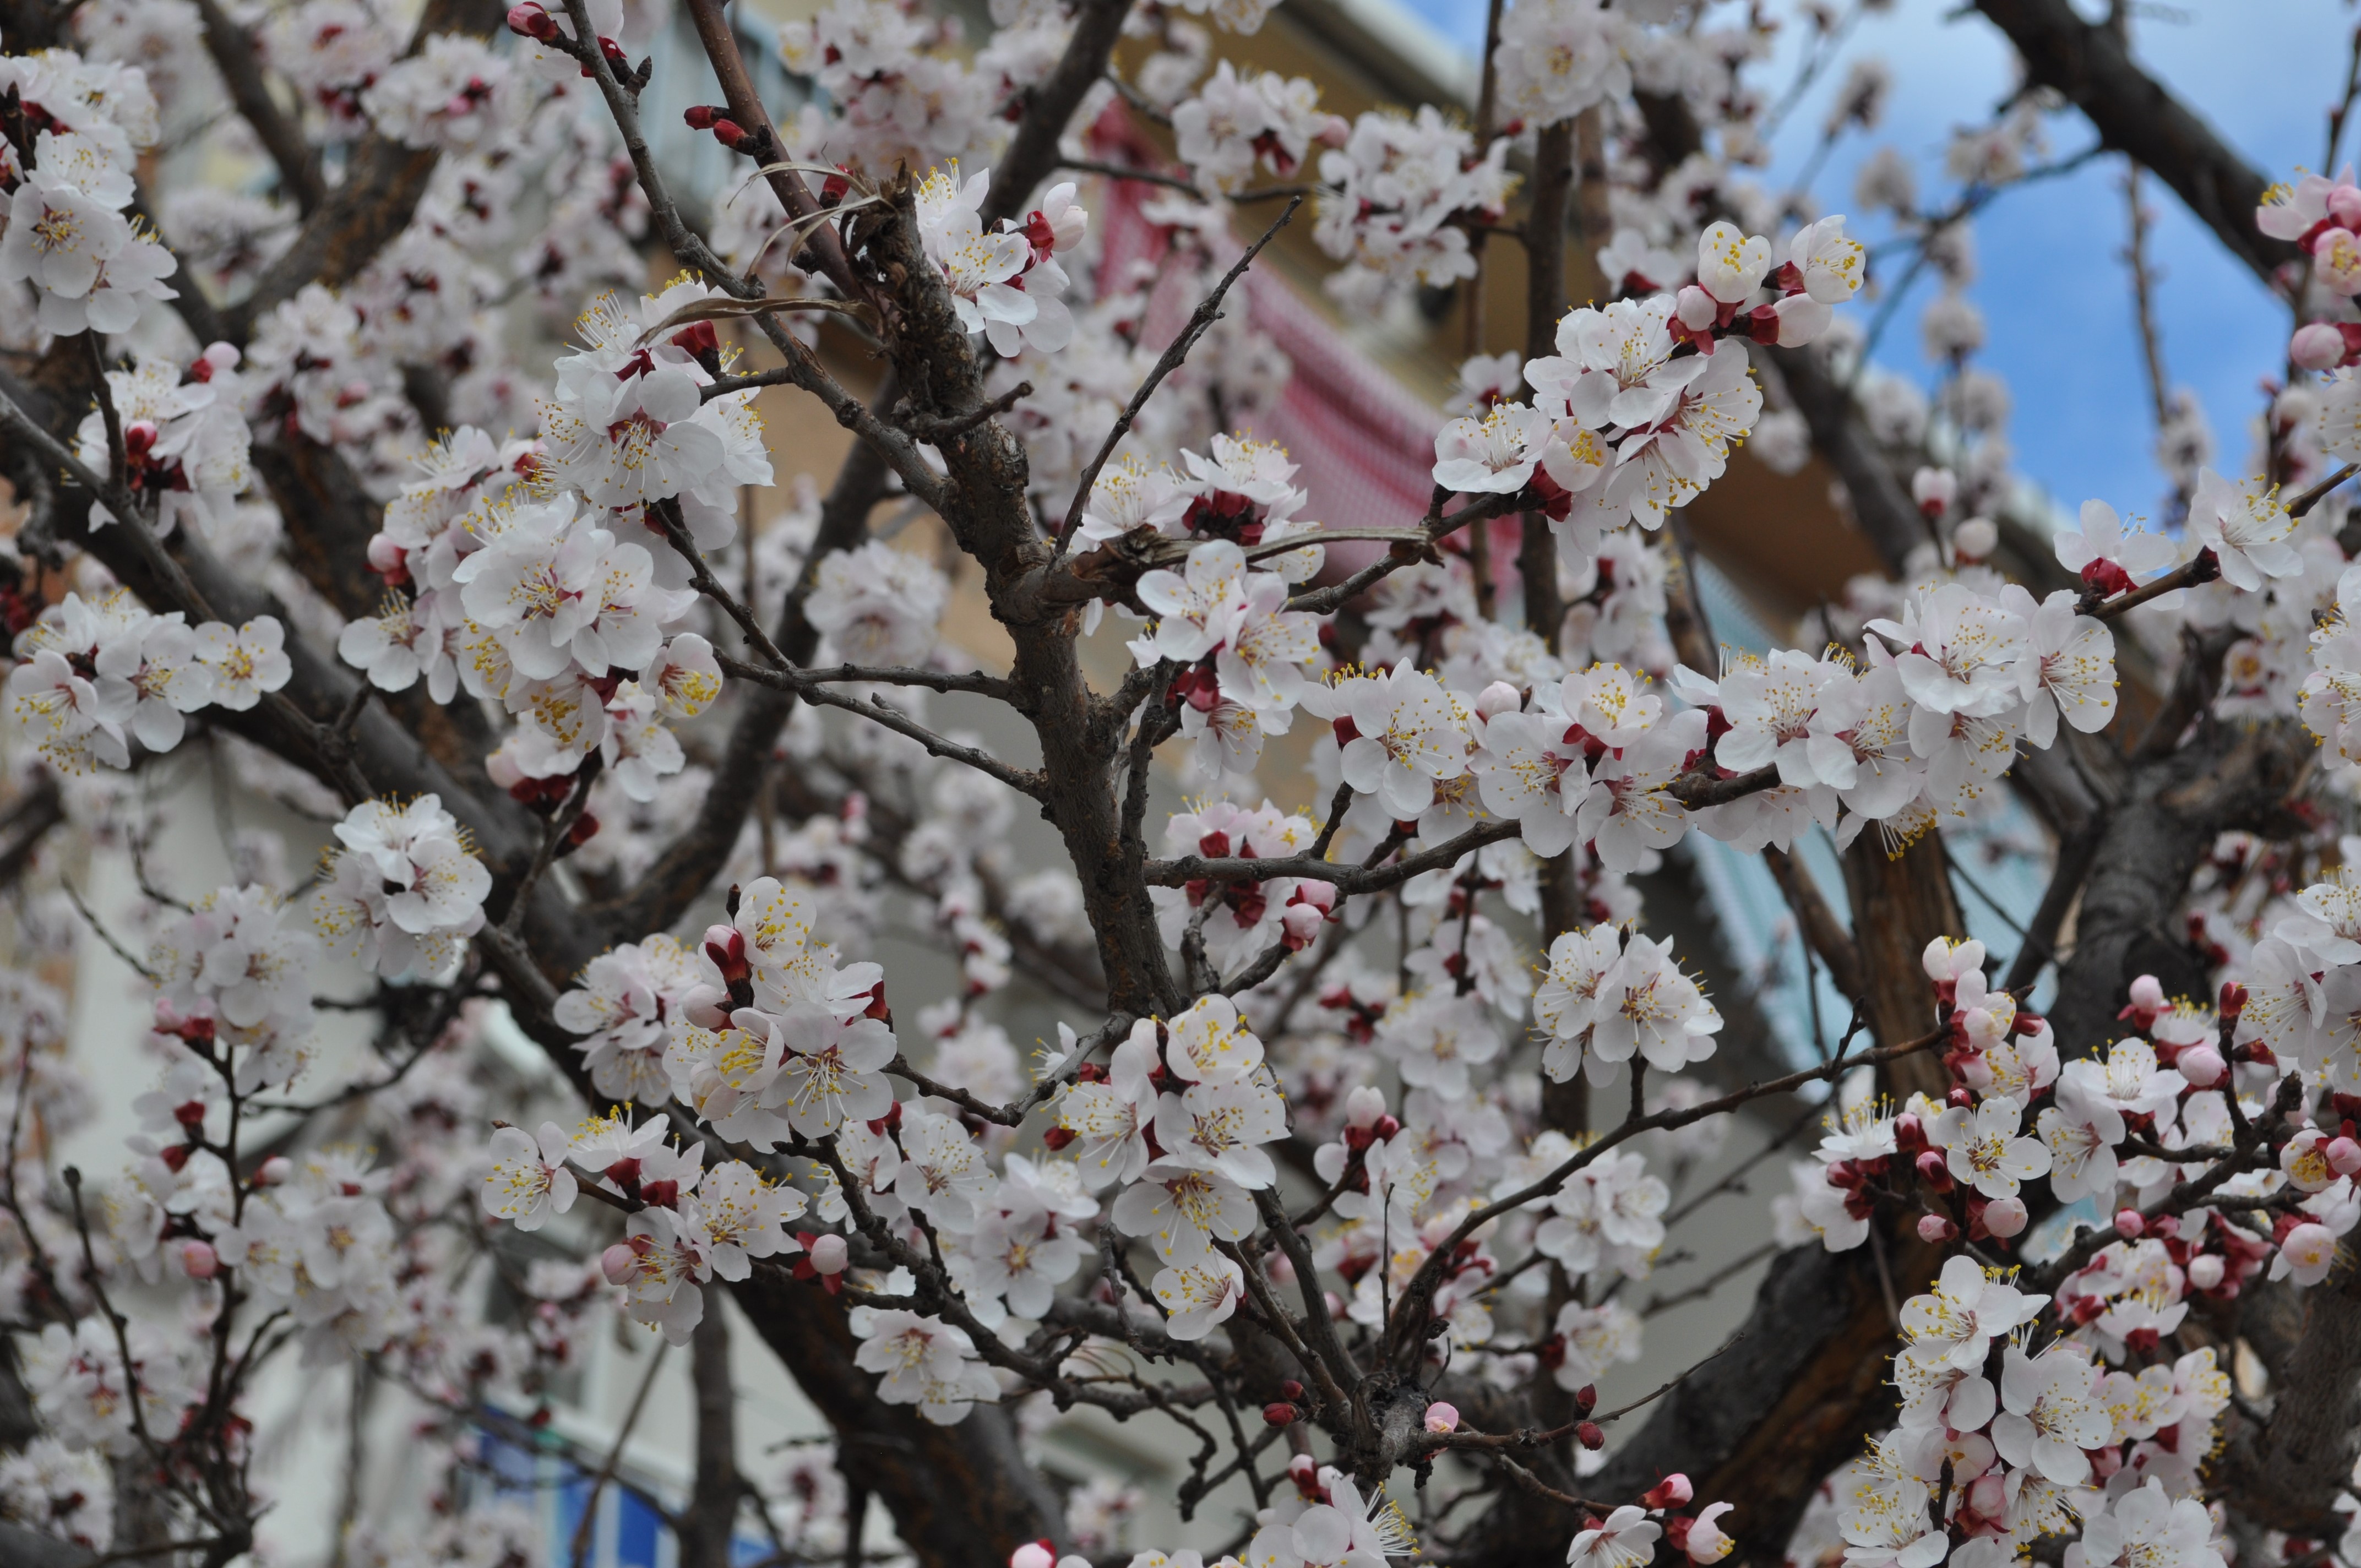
(189,1113)
(1346,731)
(1056,1138)
(663,1194)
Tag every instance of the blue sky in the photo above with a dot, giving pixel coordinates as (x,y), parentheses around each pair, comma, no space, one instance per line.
(2053,288)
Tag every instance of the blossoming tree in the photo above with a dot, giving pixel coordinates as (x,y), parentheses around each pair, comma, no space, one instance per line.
(1364,1112)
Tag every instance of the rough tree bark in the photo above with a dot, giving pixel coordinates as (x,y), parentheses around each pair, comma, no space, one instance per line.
(704,1526)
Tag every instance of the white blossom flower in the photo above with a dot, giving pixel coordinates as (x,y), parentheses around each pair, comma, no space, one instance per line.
(925,1362)
(529,1181)
(2245,525)
(244,664)
(1981,1148)
(1198,1297)
(2052,1412)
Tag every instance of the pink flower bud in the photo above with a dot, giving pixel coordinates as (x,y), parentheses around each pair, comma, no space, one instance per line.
(1934,489)
(198,1259)
(1934,1170)
(1300,926)
(2005,1217)
(829,1253)
(1673,1491)
(2319,347)
(1442,1417)
(2344,1156)
(1497,698)
(1935,1230)
(1033,1554)
(2344,204)
(1695,308)
(1975,539)
(1364,1106)
(275,1171)
(2130,1223)
(2201,1066)
(2205,1270)
(618,1262)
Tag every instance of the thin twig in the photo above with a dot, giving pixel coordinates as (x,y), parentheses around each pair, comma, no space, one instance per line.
(579,1551)
(1208,311)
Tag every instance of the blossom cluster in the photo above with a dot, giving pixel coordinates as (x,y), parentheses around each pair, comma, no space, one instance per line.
(1006,285)
(1395,199)
(93,675)
(90,268)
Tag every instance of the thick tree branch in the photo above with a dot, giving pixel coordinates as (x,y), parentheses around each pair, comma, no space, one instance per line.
(2136,114)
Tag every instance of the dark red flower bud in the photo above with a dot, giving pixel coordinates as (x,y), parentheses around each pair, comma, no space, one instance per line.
(1292,1389)
(702,116)
(1279,1414)
(1585,1399)
(530,21)
(1589,1436)
(2106,578)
